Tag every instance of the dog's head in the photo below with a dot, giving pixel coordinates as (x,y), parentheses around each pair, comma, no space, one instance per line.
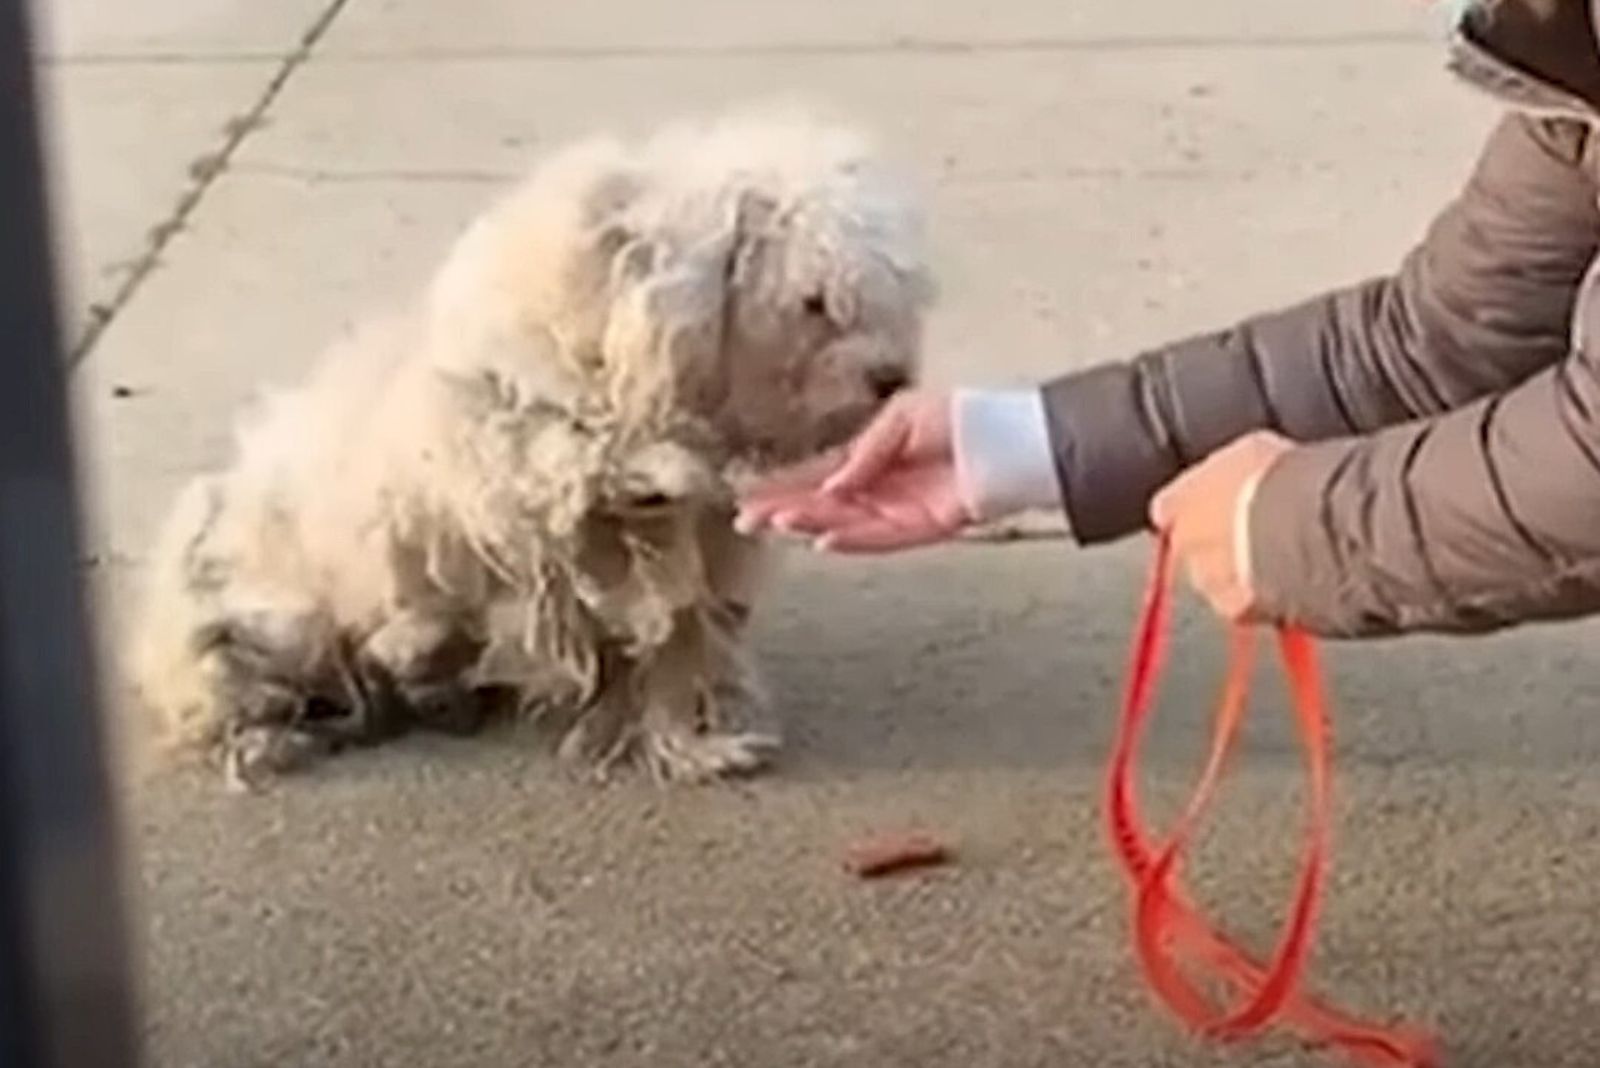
(763,275)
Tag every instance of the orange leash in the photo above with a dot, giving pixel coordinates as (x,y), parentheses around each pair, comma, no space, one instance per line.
(1167,927)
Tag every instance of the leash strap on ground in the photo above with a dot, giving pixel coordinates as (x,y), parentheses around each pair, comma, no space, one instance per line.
(1168,930)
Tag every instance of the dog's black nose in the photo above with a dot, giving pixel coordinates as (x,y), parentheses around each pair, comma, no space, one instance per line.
(887,381)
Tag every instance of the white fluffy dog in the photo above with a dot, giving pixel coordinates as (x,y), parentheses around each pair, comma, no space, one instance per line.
(521,490)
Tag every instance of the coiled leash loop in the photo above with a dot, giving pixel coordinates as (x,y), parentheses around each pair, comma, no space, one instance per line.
(1167,928)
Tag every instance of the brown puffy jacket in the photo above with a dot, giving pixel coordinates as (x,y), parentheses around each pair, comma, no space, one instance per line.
(1452,482)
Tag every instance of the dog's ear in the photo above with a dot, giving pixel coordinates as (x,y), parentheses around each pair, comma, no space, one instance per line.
(839,294)
(665,338)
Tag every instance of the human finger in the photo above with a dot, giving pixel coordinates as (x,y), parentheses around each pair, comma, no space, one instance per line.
(805,476)
(756,515)
(817,515)
(879,535)
(873,451)
(1163,508)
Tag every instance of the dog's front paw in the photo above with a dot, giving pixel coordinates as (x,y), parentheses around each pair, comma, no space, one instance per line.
(697,758)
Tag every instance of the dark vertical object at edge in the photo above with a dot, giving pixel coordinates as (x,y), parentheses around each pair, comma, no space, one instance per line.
(66,992)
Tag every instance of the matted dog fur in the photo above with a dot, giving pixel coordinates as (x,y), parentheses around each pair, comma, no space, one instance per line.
(521,489)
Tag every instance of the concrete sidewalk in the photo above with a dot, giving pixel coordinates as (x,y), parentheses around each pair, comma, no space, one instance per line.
(239,180)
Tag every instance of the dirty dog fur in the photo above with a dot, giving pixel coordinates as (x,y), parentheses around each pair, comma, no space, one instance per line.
(520,489)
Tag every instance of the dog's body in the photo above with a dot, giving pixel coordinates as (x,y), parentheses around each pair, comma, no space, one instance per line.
(523,488)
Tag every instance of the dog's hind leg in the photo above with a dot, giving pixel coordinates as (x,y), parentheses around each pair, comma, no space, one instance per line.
(426,658)
(297,691)
(265,669)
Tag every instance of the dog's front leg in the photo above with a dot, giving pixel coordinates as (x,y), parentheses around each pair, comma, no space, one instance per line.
(607,730)
(684,735)
(736,569)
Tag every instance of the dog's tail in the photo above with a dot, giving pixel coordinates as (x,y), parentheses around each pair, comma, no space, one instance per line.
(166,664)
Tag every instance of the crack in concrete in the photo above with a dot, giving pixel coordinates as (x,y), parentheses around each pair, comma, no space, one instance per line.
(157,59)
(203,173)
(316,175)
(900,46)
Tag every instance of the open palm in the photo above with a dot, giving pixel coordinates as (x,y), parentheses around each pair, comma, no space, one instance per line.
(895,487)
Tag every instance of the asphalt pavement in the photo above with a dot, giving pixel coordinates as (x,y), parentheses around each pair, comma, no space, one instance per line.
(237,181)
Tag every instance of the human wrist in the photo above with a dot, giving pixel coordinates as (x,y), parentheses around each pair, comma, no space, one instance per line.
(1003,459)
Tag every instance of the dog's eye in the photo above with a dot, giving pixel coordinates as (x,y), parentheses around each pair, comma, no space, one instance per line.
(816,304)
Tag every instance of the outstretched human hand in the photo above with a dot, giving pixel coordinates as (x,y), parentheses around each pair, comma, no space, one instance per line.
(895,486)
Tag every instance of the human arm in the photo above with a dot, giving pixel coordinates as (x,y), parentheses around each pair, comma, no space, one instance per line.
(1478,519)
(1482,303)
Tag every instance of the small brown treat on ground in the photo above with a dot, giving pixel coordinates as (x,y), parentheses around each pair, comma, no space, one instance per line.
(892,851)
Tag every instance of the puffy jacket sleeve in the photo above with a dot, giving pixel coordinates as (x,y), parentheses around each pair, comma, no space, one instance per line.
(1480,305)
(1482,518)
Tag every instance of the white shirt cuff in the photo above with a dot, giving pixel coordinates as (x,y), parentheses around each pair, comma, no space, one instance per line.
(1004,462)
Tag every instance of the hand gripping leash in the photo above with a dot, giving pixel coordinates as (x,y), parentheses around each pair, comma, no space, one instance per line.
(1167,928)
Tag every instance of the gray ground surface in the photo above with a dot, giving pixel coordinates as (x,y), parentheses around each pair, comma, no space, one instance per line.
(238,179)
